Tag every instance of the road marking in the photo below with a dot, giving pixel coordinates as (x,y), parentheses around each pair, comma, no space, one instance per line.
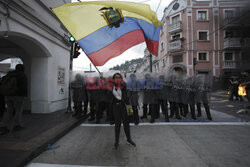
(220,101)
(173,124)
(60,165)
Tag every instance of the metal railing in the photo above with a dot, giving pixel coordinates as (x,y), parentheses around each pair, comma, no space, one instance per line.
(247,42)
(230,21)
(229,64)
(175,45)
(175,26)
(232,43)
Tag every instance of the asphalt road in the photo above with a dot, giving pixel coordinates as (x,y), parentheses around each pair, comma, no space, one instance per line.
(223,142)
(219,102)
(199,144)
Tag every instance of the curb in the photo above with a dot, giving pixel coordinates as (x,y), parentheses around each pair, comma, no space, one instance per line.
(43,146)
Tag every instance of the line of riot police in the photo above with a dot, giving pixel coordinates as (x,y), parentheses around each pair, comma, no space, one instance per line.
(174,90)
(175,93)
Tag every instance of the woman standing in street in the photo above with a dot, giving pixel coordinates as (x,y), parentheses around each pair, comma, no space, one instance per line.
(120,100)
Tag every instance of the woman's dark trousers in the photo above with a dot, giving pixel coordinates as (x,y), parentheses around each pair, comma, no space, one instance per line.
(121,116)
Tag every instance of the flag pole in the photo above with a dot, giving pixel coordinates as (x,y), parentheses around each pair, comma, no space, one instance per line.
(82,49)
(92,63)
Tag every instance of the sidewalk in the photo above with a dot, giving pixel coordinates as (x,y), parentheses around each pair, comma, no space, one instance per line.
(18,148)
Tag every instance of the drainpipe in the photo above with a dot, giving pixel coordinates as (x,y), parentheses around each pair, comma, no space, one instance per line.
(69,109)
(6,16)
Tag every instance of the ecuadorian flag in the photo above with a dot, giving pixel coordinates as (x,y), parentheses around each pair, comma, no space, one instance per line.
(105,29)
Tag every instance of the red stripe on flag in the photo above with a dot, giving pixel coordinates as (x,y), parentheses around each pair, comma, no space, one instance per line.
(152,46)
(116,48)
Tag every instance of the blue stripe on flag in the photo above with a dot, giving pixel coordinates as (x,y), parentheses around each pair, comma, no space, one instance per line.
(105,36)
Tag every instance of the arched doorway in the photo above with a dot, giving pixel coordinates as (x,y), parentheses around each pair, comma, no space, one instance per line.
(179,68)
(35,59)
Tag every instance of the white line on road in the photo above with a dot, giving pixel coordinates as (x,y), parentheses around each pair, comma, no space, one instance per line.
(174,123)
(59,165)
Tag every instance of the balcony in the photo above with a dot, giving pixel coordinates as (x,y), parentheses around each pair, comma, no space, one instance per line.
(175,45)
(247,42)
(232,43)
(175,27)
(229,64)
(230,22)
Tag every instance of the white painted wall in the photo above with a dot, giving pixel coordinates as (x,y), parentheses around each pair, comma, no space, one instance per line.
(43,53)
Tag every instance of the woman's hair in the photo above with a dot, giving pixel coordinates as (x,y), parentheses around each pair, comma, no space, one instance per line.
(117,74)
(19,67)
(78,77)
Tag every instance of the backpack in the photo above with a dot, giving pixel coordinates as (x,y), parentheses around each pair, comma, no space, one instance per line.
(9,86)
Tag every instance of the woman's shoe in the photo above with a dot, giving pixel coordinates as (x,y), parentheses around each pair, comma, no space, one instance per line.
(178,117)
(116,145)
(131,142)
(209,118)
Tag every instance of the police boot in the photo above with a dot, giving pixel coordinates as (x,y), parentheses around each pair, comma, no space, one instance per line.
(199,109)
(207,109)
(185,110)
(145,108)
(166,117)
(172,108)
(192,112)
(177,115)
(135,115)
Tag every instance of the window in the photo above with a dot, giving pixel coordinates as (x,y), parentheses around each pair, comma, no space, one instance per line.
(232,34)
(161,32)
(163,62)
(229,34)
(202,56)
(162,46)
(175,19)
(229,14)
(228,56)
(202,15)
(177,59)
(176,37)
(203,35)
(203,72)
(164,22)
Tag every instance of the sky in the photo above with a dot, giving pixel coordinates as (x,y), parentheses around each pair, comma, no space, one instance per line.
(82,63)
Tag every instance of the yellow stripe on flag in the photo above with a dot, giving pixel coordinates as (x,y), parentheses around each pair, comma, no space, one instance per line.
(84,18)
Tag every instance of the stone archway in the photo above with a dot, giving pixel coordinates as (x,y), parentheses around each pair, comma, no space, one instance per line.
(34,56)
(179,67)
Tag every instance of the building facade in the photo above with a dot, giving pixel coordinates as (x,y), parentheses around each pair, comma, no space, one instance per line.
(144,66)
(204,37)
(29,30)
